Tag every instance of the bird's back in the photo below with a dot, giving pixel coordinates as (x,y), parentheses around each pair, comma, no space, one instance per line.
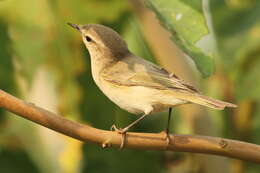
(132,71)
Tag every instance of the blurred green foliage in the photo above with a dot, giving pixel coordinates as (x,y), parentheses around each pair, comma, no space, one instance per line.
(185,20)
(16,161)
(6,67)
(34,37)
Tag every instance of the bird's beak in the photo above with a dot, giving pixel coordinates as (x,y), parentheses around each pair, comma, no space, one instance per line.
(77,27)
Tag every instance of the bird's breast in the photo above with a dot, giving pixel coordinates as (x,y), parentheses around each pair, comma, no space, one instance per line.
(123,96)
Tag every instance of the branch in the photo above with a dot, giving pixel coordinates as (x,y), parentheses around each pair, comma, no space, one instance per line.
(143,141)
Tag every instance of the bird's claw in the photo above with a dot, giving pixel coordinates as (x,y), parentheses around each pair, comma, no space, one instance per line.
(167,137)
(114,128)
(120,131)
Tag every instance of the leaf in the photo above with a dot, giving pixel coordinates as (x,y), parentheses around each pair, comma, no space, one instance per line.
(185,20)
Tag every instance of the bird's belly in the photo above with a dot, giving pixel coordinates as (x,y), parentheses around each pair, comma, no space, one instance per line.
(127,98)
(136,99)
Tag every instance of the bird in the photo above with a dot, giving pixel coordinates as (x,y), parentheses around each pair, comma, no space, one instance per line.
(133,83)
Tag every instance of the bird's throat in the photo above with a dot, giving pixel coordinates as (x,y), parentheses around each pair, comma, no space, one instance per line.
(98,63)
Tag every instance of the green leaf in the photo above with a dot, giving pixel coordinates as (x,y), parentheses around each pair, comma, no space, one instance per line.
(185,20)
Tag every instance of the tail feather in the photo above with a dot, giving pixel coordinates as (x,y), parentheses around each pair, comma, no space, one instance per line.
(203,100)
(213,103)
(210,102)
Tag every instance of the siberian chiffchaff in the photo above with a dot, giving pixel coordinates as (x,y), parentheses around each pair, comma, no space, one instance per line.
(134,84)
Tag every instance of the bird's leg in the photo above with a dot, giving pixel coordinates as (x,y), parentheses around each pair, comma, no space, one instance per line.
(132,124)
(168,122)
(124,130)
(168,126)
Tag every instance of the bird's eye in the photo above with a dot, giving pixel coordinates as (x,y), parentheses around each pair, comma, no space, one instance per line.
(88,39)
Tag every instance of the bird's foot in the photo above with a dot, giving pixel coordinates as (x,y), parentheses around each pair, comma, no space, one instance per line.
(167,137)
(120,131)
(114,128)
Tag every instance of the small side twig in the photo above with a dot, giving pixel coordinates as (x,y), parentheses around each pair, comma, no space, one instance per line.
(144,141)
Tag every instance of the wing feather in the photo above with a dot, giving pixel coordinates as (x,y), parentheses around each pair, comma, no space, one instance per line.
(134,71)
(139,72)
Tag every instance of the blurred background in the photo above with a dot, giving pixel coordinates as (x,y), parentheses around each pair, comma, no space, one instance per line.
(43,60)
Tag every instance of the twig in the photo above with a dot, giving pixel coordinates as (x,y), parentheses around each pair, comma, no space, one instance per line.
(143,141)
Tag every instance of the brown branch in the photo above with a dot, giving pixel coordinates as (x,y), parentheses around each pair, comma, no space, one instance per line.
(144,141)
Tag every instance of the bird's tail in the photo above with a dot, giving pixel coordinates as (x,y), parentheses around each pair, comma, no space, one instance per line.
(202,100)
(210,102)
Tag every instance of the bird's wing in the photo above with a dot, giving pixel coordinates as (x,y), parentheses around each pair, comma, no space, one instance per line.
(139,72)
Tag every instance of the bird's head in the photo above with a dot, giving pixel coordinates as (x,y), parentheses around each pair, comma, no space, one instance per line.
(100,39)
